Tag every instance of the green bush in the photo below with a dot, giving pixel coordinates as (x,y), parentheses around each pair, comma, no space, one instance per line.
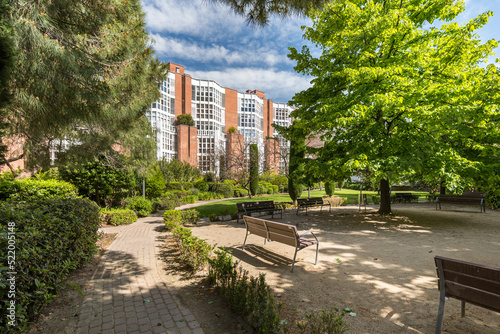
(207,196)
(276,189)
(248,296)
(194,191)
(329,188)
(174,186)
(190,199)
(141,206)
(172,216)
(202,185)
(35,189)
(181,217)
(328,321)
(118,216)
(52,237)
(195,252)
(226,189)
(155,184)
(241,192)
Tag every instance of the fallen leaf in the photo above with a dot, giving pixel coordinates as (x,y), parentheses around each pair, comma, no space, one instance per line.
(217,315)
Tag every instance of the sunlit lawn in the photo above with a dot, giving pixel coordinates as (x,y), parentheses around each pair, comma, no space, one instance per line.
(229,206)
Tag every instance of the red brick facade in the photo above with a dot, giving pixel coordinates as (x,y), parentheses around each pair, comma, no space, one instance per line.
(187,144)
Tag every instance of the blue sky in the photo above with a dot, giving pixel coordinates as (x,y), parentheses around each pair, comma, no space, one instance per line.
(214,43)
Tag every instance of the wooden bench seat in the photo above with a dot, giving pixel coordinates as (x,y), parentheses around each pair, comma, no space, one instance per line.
(283,233)
(310,202)
(269,207)
(469,198)
(467,282)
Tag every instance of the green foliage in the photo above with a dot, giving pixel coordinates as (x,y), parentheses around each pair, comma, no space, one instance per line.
(177,171)
(185,119)
(328,321)
(142,207)
(81,66)
(52,237)
(330,188)
(240,192)
(202,185)
(155,184)
(225,189)
(33,189)
(100,182)
(181,217)
(207,196)
(195,252)
(296,164)
(118,216)
(259,12)
(174,186)
(248,296)
(254,169)
(394,95)
(231,129)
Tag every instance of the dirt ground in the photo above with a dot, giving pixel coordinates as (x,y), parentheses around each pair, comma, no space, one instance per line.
(381,267)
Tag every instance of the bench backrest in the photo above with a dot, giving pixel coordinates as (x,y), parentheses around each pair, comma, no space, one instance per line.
(462,198)
(473,194)
(312,200)
(250,205)
(473,283)
(283,233)
(403,195)
(255,226)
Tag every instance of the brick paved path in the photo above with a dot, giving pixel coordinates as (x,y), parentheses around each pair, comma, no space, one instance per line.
(127,293)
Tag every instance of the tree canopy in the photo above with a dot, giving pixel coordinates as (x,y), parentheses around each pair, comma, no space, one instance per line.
(259,11)
(395,95)
(85,73)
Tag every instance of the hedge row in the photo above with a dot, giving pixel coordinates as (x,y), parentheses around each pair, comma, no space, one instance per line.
(117,216)
(50,238)
(195,252)
(34,189)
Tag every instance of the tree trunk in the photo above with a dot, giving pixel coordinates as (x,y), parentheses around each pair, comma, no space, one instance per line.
(97,195)
(442,188)
(385,197)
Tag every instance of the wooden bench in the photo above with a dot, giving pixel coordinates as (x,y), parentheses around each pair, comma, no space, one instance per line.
(279,232)
(467,282)
(468,198)
(247,208)
(405,197)
(313,201)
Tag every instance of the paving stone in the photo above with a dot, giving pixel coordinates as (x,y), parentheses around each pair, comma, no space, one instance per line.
(128,294)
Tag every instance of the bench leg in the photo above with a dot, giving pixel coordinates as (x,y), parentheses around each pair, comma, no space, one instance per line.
(439,321)
(317,251)
(293,263)
(244,242)
(463,309)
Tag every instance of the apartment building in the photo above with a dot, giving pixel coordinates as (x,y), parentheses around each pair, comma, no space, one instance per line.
(216,110)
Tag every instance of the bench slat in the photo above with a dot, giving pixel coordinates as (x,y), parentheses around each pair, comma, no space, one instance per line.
(491,286)
(474,296)
(472,269)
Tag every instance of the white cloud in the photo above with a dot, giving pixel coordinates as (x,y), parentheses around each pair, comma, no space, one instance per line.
(279,86)
(173,47)
(196,17)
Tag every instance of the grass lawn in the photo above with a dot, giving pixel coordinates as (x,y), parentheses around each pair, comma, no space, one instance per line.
(228,207)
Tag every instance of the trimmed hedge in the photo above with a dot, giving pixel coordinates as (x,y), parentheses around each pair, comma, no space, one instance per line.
(52,237)
(118,216)
(225,189)
(141,206)
(35,189)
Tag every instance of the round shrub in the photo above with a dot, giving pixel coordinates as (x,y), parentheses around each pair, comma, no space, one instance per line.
(194,191)
(118,216)
(141,206)
(202,185)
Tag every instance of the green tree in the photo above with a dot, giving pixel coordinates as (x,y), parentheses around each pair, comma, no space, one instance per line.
(6,65)
(254,169)
(100,181)
(259,11)
(390,94)
(296,165)
(84,73)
